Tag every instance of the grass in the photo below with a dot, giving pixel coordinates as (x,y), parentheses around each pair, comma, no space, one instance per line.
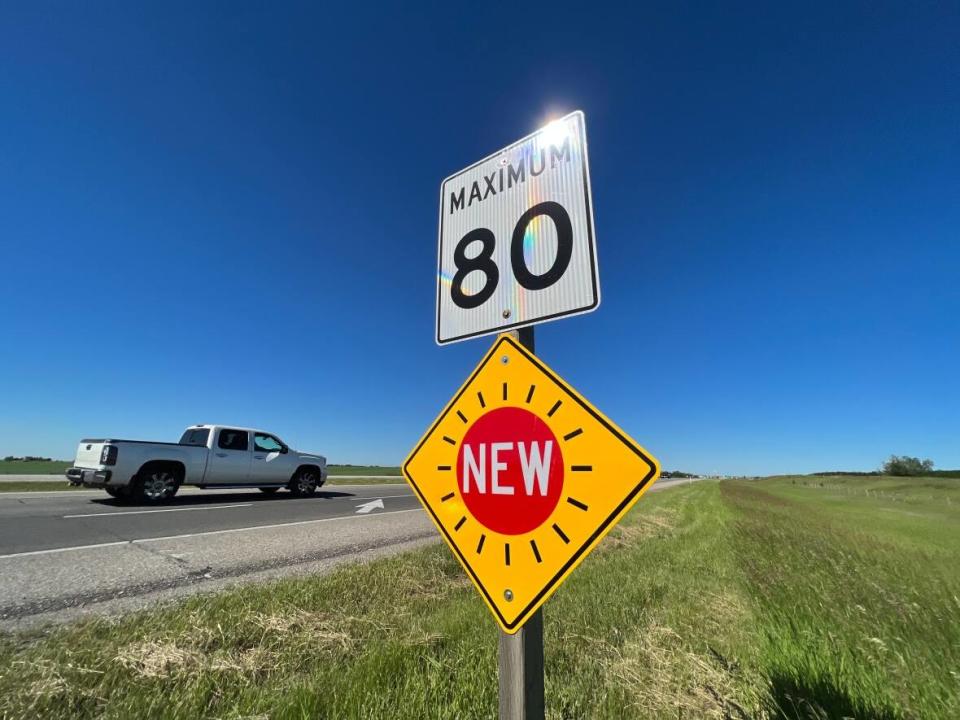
(34,486)
(365,481)
(34,467)
(363,470)
(807,598)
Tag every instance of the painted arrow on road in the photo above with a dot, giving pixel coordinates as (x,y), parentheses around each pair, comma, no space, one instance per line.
(370,506)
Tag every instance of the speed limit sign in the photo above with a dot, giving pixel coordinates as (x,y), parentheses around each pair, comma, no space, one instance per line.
(516,240)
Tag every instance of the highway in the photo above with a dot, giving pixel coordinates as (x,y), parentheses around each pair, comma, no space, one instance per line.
(72,553)
(32,524)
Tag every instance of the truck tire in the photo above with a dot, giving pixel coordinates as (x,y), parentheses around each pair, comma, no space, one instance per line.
(305,482)
(155,485)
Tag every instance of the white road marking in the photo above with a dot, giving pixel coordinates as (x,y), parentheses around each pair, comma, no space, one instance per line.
(207,507)
(203,534)
(147,512)
(53,551)
(369,506)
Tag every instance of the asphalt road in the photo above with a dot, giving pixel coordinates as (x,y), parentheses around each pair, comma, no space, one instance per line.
(72,553)
(31,524)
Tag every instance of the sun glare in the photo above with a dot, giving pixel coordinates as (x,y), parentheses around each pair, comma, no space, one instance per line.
(555,132)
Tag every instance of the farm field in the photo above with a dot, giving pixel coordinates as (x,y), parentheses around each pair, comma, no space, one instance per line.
(34,467)
(794,597)
(363,470)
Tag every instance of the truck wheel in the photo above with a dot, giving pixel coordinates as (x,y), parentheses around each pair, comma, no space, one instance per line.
(269,491)
(155,485)
(304,483)
(116,492)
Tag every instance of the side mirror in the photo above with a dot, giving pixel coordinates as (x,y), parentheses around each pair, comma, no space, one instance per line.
(284,449)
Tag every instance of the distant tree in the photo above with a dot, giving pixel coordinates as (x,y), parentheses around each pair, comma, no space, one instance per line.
(9,458)
(906,466)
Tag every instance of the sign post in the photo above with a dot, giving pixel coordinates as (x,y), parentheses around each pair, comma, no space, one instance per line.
(521,475)
(521,671)
(520,656)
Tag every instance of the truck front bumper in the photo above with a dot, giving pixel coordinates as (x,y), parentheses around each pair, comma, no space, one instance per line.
(88,477)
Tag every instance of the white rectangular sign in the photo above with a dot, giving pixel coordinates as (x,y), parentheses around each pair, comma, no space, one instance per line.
(516,241)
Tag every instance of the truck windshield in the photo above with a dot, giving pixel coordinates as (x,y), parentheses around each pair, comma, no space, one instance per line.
(195,436)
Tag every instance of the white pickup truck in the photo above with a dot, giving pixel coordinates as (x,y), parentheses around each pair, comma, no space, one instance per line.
(208,456)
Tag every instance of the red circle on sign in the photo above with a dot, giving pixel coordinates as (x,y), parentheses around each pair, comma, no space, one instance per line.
(510,470)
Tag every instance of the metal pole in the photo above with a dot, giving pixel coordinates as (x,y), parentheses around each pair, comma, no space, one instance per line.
(521,654)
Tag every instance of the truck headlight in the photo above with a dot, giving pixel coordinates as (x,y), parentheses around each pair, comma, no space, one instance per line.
(108,456)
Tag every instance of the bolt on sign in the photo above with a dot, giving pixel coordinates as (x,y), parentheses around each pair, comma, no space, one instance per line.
(523,477)
(516,242)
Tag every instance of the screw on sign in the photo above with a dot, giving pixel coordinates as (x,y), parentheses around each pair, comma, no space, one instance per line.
(523,477)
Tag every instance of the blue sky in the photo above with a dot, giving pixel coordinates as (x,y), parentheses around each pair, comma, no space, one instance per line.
(228,214)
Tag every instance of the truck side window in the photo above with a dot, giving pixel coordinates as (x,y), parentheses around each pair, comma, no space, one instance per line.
(266,443)
(197,438)
(232,439)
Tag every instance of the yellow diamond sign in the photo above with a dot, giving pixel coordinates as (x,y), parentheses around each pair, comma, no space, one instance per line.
(523,477)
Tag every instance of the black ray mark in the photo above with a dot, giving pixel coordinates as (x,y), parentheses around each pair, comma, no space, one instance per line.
(460,523)
(576,503)
(506,553)
(443,467)
(536,551)
(571,435)
(556,405)
(530,394)
(461,416)
(504,391)
(483,403)
(581,468)
(480,544)
(446,497)
(558,531)
(454,442)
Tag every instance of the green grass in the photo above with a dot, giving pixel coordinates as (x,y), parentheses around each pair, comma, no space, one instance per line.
(363,470)
(365,481)
(806,598)
(36,486)
(20,467)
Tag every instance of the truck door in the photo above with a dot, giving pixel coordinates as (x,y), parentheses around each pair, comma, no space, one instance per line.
(230,458)
(270,462)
